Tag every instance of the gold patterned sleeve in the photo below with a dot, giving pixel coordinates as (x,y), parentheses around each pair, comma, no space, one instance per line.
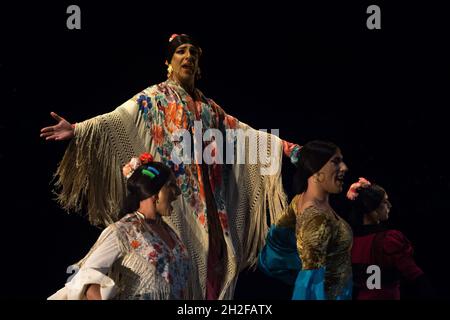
(288,219)
(313,230)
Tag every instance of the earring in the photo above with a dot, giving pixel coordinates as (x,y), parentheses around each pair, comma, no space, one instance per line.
(316,177)
(169,71)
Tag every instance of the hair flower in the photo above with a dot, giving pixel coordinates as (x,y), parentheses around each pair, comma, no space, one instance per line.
(352,192)
(146,158)
(135,163)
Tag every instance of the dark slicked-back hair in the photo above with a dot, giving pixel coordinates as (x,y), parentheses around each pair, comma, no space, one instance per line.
(141,186)
(369,199)
(313,156)
(178,41)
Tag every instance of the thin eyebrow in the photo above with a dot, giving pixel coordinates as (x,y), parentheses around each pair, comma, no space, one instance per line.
(191,48)
(182,47)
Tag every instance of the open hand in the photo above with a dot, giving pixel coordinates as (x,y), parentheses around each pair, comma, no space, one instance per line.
(63,130)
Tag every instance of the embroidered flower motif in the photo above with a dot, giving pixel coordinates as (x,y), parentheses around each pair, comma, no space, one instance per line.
(135,244)
(144,102)
(201,218)
(158,134)
(174,117)
(178,169)
(152,255)
(145,105)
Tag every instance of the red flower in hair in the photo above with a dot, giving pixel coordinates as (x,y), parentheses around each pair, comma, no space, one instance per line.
(146,158)
(173,36)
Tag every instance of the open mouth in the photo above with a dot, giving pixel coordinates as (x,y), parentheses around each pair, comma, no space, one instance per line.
(188,67)
(340,178)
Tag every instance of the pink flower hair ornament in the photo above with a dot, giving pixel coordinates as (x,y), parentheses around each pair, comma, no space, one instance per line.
(173,36)
(135,163)
(352,192)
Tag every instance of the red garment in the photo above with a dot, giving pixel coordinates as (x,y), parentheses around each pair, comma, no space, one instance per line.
(217,246)
(392,252)
(214,276)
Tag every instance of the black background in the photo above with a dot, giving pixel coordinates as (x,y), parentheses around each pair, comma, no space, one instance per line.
(314,71)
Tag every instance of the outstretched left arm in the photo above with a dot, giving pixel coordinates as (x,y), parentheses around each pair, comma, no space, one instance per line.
(290,149)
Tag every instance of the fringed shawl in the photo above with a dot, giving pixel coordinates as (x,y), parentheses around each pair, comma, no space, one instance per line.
(89,177)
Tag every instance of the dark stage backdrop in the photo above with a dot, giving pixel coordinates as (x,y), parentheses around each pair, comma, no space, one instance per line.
(312,71)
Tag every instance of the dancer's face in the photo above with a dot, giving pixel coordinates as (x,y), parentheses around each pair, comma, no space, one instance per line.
(384,208)
(185,63)
(168,193)
(331,176)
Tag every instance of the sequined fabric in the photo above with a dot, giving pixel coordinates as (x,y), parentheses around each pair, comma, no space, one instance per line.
(325,240)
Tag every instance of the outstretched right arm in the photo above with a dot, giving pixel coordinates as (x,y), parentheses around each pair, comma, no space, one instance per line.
(63,130)
(89,175)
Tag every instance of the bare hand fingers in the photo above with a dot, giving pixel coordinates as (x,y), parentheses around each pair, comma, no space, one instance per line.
(48,129)
(56,117)
(46,134)
(51,137)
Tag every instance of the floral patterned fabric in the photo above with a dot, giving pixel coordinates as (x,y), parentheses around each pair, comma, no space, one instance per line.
(222,210)
(130,261)
(166,107)
(170,265)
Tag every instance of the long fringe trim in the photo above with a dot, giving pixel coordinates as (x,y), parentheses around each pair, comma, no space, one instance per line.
(139,280)
(89,173)
(268,203)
